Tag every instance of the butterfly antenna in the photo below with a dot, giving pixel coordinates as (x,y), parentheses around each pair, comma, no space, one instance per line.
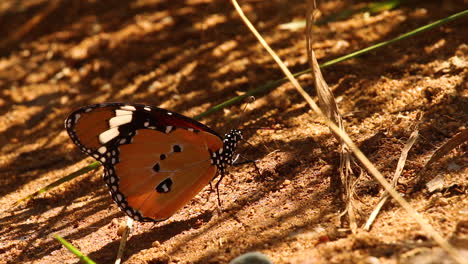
(249,100)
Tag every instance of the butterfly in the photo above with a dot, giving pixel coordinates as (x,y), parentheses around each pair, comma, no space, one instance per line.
(155,160)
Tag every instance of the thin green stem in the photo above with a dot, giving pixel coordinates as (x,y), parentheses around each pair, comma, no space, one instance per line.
(74,250)
(401,37)
(56,183)
(273,84)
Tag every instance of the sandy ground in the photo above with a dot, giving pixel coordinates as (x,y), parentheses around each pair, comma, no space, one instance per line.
(188,56)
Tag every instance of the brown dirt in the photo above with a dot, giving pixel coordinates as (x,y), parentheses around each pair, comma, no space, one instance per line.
(190,55)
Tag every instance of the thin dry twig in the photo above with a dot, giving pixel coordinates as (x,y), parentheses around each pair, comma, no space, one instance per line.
(399,169)
(357,152)
(443,150)
(329,106)
(449,145)
(123,240)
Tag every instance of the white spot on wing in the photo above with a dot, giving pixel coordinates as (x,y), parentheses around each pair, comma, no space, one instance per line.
(102,149)
(147,108)
(128,107)
(108,135)
(122,112)
(120,120)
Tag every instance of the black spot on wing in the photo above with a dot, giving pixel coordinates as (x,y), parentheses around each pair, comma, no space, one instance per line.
(164,186)
(176,148)
(156,167)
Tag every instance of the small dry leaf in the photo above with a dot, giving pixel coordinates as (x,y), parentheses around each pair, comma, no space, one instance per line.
(436,184)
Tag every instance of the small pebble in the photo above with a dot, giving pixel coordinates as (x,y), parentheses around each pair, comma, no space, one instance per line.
(251,258)
(156,244)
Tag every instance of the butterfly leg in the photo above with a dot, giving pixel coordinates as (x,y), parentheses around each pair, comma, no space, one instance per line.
(209,195)
(246,161)
(217,190)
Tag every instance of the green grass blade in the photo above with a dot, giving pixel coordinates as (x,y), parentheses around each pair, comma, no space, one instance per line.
(377,7)
(56,183)
(74,250)
(273,84)
(399,38)
(373,8)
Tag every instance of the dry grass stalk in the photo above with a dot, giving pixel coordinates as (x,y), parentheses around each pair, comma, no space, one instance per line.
(443,150)
(453,253)
(329,106)
(123,240)
(399,169)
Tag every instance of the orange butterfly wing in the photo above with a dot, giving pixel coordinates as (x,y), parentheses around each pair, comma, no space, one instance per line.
(189,170)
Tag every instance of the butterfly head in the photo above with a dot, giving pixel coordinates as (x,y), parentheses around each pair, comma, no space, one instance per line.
(224,155)
(233,135)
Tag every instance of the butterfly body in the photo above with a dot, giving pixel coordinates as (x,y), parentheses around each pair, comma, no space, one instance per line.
(155,161)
